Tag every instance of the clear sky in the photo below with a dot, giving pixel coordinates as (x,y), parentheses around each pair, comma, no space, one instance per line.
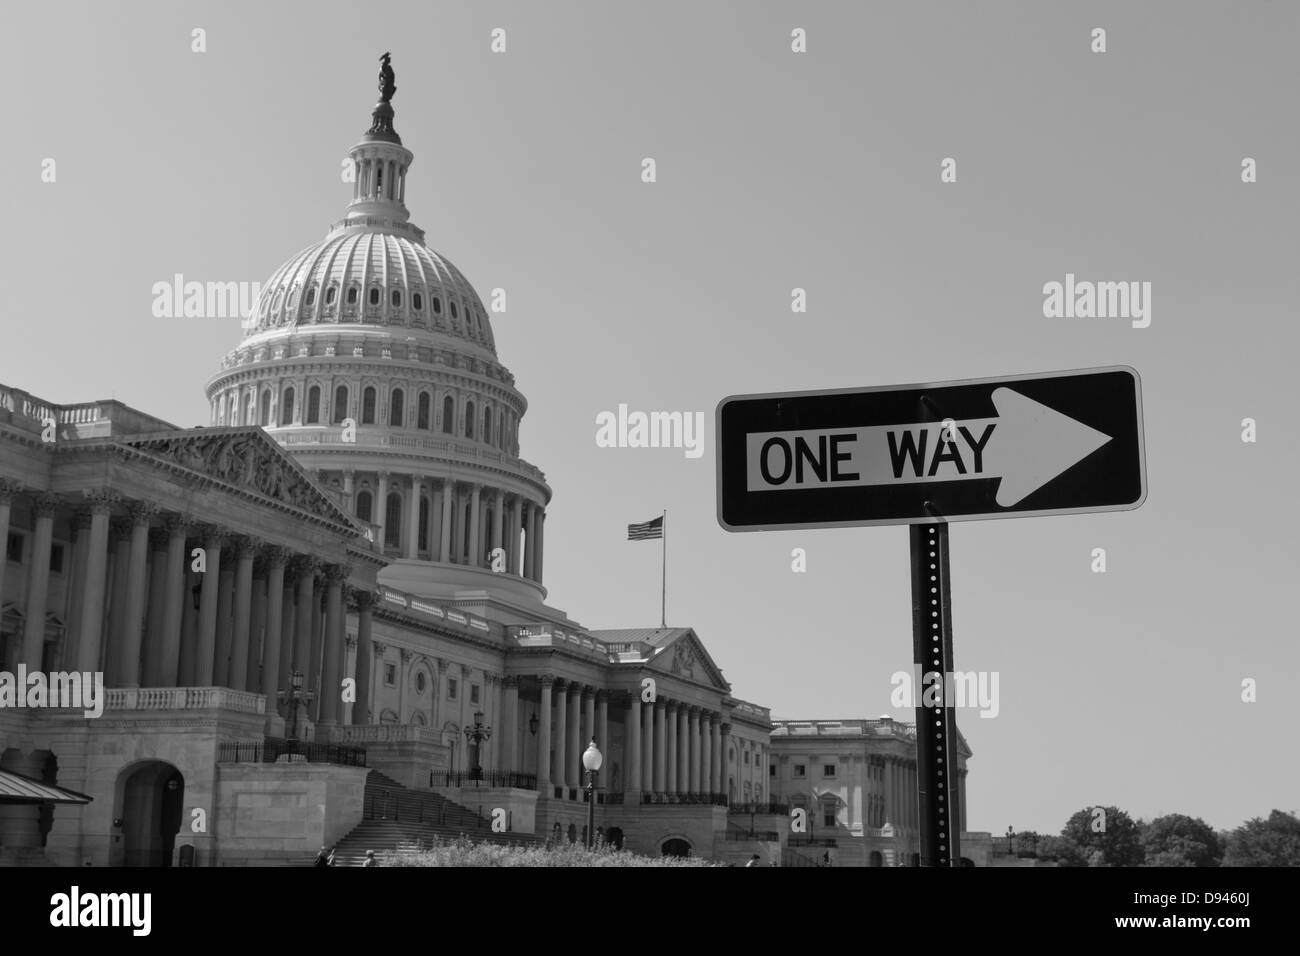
(775,170)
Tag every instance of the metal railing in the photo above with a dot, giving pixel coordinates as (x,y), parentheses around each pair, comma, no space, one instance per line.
(270,749)
(493,778)
(742,836)
(810,841)
(697,799)
(780,809)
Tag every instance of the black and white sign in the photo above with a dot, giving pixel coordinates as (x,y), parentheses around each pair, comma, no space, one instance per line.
(1055,443)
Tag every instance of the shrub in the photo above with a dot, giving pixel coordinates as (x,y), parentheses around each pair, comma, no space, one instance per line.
(466,852)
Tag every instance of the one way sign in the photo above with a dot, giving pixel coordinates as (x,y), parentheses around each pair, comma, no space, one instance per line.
(1055,443)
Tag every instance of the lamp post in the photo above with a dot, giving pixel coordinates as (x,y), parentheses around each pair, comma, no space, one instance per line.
(475,736)
(295,697)
(1010,835)
(591,760)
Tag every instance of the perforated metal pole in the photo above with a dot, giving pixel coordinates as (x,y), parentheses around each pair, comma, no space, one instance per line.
(936,718)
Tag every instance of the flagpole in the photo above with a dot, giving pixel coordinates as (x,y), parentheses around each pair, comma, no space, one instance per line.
(663,606)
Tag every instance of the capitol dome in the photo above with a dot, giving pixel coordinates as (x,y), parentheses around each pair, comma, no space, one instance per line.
(370,359)
(365,274)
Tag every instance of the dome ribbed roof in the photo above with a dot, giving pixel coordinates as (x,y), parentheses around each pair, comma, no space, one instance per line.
(372,278)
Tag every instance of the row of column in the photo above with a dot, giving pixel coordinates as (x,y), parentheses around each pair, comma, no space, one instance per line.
(150,630)
(495,520)
(668,747)
(895,790)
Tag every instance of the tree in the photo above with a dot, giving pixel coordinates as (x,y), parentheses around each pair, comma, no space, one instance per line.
(1179,840)
(1271,842)
(1095,838)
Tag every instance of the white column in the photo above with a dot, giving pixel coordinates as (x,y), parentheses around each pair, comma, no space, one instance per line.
(413,519)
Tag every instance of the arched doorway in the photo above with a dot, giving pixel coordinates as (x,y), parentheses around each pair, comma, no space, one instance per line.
(916,859)
(675,847)
(151,805)
(876,859)
(614,837)
(966,861)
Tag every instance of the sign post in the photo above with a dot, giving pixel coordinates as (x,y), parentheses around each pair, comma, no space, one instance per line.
(1055,443)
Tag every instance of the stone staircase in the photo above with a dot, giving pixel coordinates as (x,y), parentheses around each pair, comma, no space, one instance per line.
(396,817)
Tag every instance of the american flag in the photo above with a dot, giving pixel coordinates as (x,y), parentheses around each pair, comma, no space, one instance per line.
(646,530)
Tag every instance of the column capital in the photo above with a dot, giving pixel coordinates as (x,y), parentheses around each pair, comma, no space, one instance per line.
(602,696)
(215,536)
(726,728)
(119,529)
(466,670)
(276,555)
(337,573)
(305,564)
(45,504)
(8,488)
(100,499)
(693,710)
(661,703)
(546,680)
(158,539)
(142,512)
(244,546)
(510,680)
(349,473)
(362,599)
(81,519)
(383,475)
(405,653)
(560,684)
(588,691)
(380,648)
(670,705)
(177,523)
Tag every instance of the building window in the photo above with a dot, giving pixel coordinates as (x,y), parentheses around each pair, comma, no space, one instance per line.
(469,419)
(396,408)
(374,296)
(286,408)
(771,770)
(451,688)
(473,693)
(396,299)
(56,558)
(352,296)
(390,674)
(419,682)
(393,521)
(313,405)
(368,405)
(731,755)
(800,770)
(828,770)
(311,297)
(424,523)
(422,411)
(14,548)
(437,306)
(330,294)
(828,816)
(340,403)
(448,415)
(746,761)
(453,310)
(487,426)
(266,408)
(363,505)
(417,301)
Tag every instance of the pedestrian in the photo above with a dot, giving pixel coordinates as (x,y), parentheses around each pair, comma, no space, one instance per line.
(323,857)
(753,860)
(370,859)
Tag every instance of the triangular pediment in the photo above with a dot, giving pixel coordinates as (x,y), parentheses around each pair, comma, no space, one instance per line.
(684,656)
(245,458)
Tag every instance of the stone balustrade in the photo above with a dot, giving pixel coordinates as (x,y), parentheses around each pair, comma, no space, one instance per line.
(184,698)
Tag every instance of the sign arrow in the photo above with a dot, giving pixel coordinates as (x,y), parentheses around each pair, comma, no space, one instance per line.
(1026,445)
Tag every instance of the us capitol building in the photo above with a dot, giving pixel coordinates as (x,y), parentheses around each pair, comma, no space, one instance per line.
(322,618)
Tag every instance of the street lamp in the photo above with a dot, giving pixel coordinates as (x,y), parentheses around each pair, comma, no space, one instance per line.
(591,760)
(532,725)
(296,698)
(1010,835)
(475,736)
